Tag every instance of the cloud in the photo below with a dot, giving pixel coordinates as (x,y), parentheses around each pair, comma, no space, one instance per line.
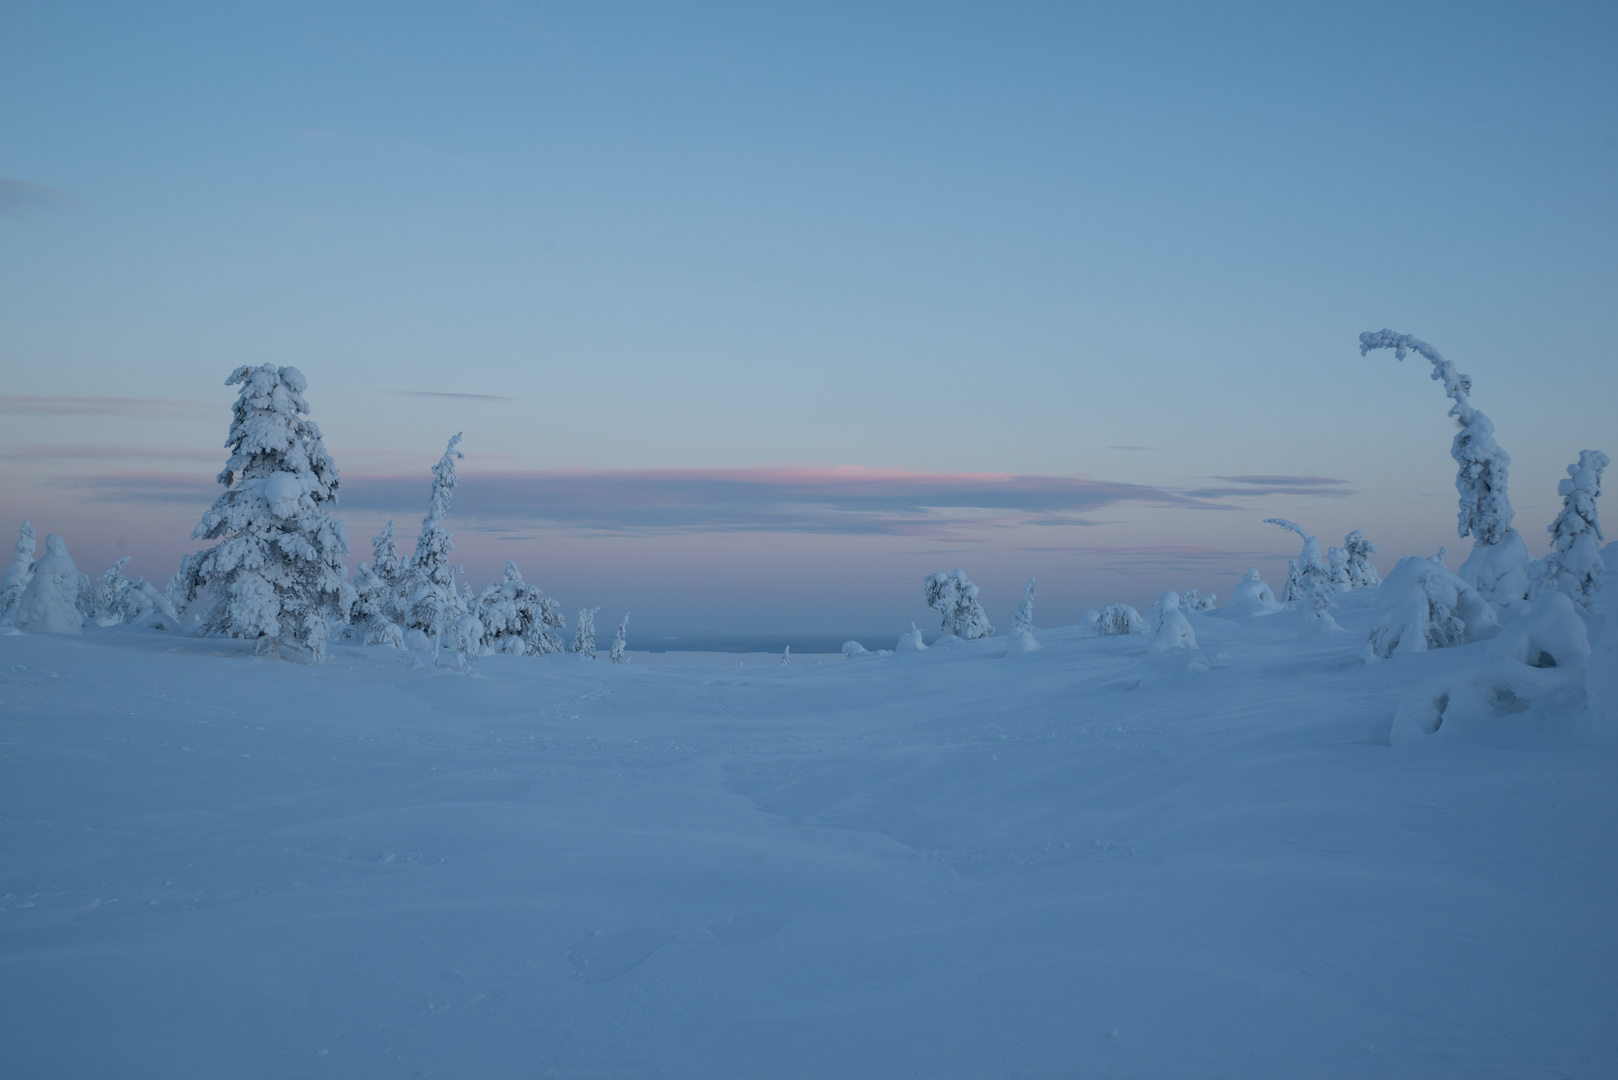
(150,408)
(108,453)
(1138,449)
(447,394)
(19,198)
(851,501)
(1322,486)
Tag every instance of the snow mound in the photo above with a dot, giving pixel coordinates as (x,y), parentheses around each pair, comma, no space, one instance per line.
(1252,597)
(1425,606)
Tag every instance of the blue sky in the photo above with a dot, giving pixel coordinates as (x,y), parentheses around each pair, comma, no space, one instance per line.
(1049,272)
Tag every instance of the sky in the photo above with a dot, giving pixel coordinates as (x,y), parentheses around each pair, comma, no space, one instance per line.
(753,315)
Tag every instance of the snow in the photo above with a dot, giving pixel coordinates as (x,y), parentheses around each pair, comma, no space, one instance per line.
(1086,863)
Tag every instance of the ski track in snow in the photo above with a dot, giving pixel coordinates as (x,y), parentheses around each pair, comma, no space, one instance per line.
(944,864)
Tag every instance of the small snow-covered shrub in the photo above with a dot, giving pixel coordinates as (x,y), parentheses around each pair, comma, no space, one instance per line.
(379,612)
(620,641)
(19,571)
(1498,564)
(955,599)
(1574,565)
(277,570)
(119,601)
(910,642)
(1425,606)
(852,649)
(1022,620)
(584,641)
(49,602)
(1170,628)
(1252,597)
(1190,601)
(1021,643)
(517,618)
(1115,619)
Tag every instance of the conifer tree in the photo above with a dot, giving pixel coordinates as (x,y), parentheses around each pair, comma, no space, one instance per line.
(584,642)
(1574,564)
(620,641)
(433,604)
(277,572)
(20,570)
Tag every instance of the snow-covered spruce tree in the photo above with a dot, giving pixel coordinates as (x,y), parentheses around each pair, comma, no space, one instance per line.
(584,641)
(1574,564)
(1116,619)
(1361,574)
(955,599)
(433,605)
(1498,564)
(1022,620)
(277,572)
(119,601)
(20,570)
(379,602)
(620,641)
(1309,579)
(50,600)
(518,618)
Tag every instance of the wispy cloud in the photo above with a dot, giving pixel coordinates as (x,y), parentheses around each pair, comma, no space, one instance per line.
(1322,486)
(817,501)
(154,408)
(447,394)
(65,452)
(19,198)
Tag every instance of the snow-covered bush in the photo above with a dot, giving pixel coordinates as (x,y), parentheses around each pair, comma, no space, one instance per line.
(1574,565)
(277,572)
(1252,597)
(49,602)
(910,642)
(1498,564)
(467,640)
(620,641)
(1169,626)
(1190,601)
(786,657)
(584,641)
(1022,620)
(517,617)
(851,649)
(434,606)
(1309,578)
(119,601)
(1529,684)
(956,600)
(379,612)
(1337,569)
(1425,606)
(1360,573)
(19,571)
(1117,619)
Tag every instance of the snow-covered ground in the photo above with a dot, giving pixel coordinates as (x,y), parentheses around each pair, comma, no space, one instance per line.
(1080,861)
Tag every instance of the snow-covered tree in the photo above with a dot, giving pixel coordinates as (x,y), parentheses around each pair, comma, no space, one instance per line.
(620,641)
(1309,576)
(1252,596)
(277,572)
(956,600)
(1169,626)
(1574,564)
(1118,619)
(910,642)
(1498,564)
(1190,601)
(517,617)
(433,604)
(584,641)
(786,657)
(116,600)
(49,602)
(1361,574)
(20,570)
(1426,606)
(1022,620)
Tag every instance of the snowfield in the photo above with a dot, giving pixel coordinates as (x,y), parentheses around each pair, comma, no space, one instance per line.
(1083,861)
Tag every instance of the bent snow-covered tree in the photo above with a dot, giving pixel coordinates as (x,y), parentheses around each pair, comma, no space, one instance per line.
(432,604)
(1498,564)
(1310,577)
(1574,564)
(956,600)
(1361,574)
(277,572)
